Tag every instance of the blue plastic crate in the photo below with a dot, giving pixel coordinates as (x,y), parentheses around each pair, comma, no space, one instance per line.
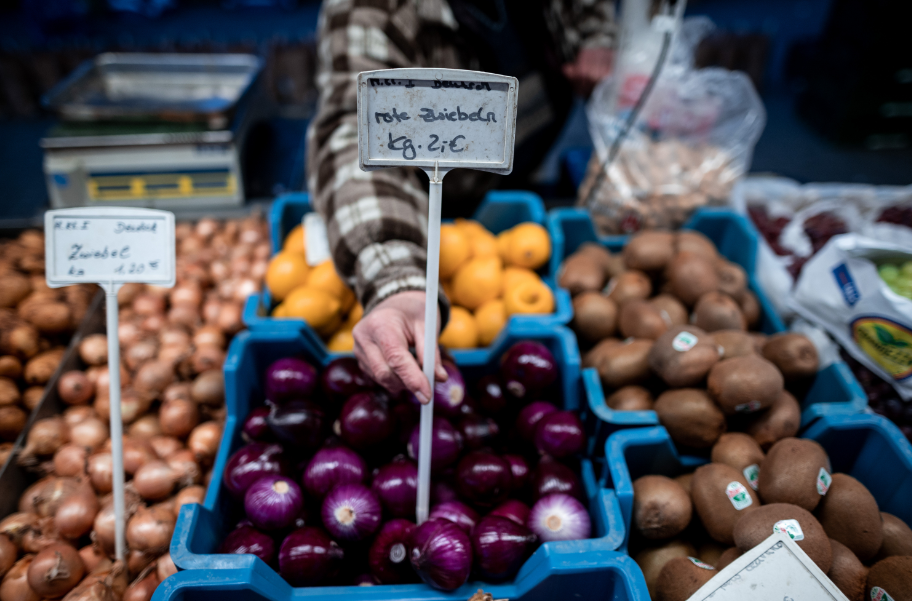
(585,568)
(868,447)
(498,212)
(835,390)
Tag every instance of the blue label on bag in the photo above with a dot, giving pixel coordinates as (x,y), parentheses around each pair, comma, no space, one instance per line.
(846,284)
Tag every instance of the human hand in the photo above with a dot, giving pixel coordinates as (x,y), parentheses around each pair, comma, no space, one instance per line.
(590,67)
(382,341)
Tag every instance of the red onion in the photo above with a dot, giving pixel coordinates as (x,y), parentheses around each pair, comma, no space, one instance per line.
(388,555)
(396,485)
(559,517)
(365,420)
(247,539)
(491,397)
(441,553)
(308,556)
(500,546)
(273,502)
(290,378)
(342,378)
(527,366)
(446,444)
(457,512)
(442,491)
(449,394)
(519,469)
(483,478)
(249,463)
(477,431)
(559,434)
(529,417)
(256,427)
(351,512)
(298,423)
(332,465)
(551,476)
(513,510)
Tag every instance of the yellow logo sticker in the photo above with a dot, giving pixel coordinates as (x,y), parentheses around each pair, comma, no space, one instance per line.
(887,342)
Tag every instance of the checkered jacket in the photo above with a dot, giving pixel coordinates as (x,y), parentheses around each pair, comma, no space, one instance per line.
(377,221)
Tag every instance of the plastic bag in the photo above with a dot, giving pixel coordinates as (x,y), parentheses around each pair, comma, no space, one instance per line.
(692,141)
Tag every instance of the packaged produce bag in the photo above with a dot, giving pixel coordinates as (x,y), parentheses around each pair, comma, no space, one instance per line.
(841,289)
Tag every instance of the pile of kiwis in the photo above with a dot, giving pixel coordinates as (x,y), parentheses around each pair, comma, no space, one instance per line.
(666,325)
(687,528)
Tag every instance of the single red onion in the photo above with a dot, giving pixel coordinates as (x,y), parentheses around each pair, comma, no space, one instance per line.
(512,509)
(298,423)
(483,478)
(441,553)
(551,476)
(308,556)
(351,512)
(457,512)
(365,420)
(530,415)
(446,443)
(559,517)
(332,465)
(273,502)
(500,546)
(342,378)
(256,426)
(448,395)
(519,469)
(396,484)
(559,434)
(527,367)
(478,431)
(388,555)
(250,463)
(491,397)
(290,378)
(247,539)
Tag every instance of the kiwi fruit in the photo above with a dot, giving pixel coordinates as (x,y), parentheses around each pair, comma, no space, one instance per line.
(649,251)
(581,273)
(756,526)
(683,355)
(694,242)
(638,318)
(734,343)
(730,555)
(651,560)
(600,255)
(621,363)
(893,575)
(897,537)
(781,420)
(721,497)
(630,398)
(682,577)
(790,471)
(744,384)
(847,572)
(690,416)
(849,514)
(627,286)
(685,480)
(750,307)
(738,450)
(594,316)
(794,354)
(661,507)
(690,276)
(718,311)
(732,278)
(589,357)
(710,552)
(671,309)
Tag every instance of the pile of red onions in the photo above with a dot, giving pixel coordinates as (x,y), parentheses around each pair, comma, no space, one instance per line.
(328,478)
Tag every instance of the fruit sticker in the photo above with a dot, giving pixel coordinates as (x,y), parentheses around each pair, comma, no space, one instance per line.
(684,342)
(790,527)
(700,564)
(887,342)
(750,407)
(738,495)
(752,475)
(878,594)
(824,479)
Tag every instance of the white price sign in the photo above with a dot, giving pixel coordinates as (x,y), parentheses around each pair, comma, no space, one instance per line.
(419,117)
(108,245)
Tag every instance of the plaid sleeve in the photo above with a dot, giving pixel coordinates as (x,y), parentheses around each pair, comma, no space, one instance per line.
(376,221)
(581,24)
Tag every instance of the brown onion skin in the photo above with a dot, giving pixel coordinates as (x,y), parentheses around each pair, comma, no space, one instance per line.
(137,561)
(55,571)
(43,536)
(90,433)
(184,467)
(103,528)
(91,557)
(74,415)
(209,335)
(94,349)
(101,470)
(150,530)
(70,460)
(145,428)
(16,525)
(76,514)
(209,388)
(8,554)
(15,585)
(177,390)
(204,442)
(75,388)
(12,422)
(207,357)
(153,377)
(165,445)
(165,567)
(178,417)
(143,589)
(136,453)
(49,494)
(189,495)
(46,436)
(155,480)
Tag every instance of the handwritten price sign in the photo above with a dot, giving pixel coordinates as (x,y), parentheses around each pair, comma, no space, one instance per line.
(109,245)
(419,117)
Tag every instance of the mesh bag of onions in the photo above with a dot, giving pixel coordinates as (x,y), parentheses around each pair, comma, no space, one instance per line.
(324,491)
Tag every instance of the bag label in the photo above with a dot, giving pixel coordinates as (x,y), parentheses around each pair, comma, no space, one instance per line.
(738,495)
(752,475)
(824,479)
(790,527)
(846,284)
(700,564)
(684,342)
(887,342)
(878,594)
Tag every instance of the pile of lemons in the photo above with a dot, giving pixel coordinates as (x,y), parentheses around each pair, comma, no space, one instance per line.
(487,278)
